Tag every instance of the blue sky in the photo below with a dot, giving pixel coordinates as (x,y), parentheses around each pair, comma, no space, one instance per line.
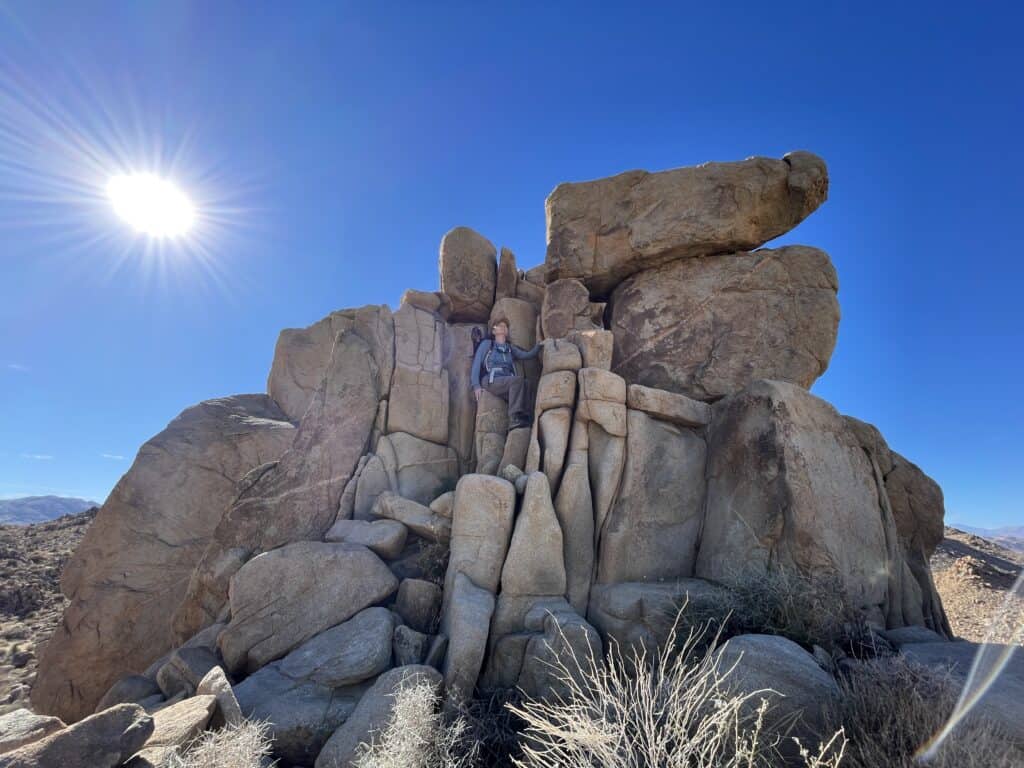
(335,143)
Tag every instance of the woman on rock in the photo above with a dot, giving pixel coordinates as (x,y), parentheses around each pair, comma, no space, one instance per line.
(495,359)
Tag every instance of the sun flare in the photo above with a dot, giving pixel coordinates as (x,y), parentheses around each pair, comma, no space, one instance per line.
(151,205)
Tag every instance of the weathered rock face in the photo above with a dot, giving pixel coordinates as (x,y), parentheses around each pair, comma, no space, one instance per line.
(284,597)
(296,498)
(133,566)
(419,389)
(652,530)
(468,268)
(602,231)
(914,503)
(303,354)
(708,327)
(403,464)
(790,486)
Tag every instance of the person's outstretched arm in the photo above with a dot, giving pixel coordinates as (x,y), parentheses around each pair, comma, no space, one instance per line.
(521,354)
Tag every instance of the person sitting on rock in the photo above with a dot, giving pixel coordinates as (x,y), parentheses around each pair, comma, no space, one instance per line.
(496,358)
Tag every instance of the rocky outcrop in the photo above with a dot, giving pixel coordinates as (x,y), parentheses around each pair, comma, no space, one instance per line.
(297,497)
(133,567)
(709,327)
(603,231)
(674,451)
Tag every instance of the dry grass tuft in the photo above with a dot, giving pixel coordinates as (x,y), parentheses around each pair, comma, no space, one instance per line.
(246,745)
(891,707)
(807,610)
(672,710)
(418,736)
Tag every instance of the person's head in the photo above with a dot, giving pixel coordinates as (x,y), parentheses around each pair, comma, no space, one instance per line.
(499,329)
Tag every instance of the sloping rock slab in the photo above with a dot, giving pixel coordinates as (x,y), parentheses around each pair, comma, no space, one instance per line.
(132,568)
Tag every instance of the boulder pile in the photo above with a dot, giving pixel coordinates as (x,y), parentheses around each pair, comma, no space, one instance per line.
(298,556)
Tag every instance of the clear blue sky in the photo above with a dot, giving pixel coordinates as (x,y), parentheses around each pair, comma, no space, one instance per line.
(337,142)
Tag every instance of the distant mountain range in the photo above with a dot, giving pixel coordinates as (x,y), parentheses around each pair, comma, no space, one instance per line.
(1010,536)
(39,509)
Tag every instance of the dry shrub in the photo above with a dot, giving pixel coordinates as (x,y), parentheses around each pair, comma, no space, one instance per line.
(807,610)
(672,710)
(433,560)
(494,728)
(891,707)
(419,736)
(245,745)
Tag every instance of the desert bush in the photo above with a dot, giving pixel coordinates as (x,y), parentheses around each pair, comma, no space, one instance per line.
(892,707)
(420,736)
(807,610)
(670,710)
(433,561)
(245,745)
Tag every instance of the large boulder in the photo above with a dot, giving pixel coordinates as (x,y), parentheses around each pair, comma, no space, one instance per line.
(373,715)
(799,692)
(708,327)
(602,231)
(789,486)
(346,654)
(652,530)
(297,497)
(468,267)
(21,727)
(301,714)
(418,403)
(284,597)
(132,567)
(302,355)
(104,740)
(173,727)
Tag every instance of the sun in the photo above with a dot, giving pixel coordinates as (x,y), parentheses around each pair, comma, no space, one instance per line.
(151,205)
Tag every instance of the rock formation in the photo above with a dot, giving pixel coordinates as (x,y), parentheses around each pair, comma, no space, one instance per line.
(370,522)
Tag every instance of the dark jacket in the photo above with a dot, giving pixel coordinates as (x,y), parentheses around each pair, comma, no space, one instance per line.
(498,358)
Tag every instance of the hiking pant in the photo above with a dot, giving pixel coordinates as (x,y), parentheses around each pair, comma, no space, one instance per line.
(519,394)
